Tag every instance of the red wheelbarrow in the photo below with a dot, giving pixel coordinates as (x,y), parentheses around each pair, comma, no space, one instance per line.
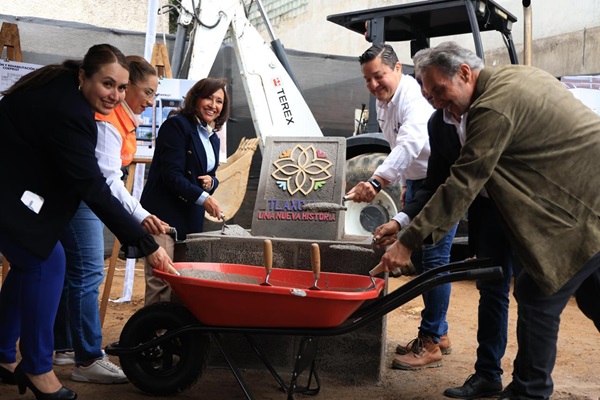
(163,347)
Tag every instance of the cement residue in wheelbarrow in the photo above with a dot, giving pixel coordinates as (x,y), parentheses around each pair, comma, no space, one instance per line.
(288,303)
(219,276)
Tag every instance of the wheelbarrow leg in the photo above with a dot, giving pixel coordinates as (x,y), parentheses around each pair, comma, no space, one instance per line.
(307,352)
(266,362)
(234,369)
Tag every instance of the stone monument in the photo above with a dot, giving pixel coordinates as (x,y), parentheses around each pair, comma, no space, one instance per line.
(296,171)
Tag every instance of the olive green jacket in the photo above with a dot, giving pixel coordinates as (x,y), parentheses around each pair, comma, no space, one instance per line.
(536,149)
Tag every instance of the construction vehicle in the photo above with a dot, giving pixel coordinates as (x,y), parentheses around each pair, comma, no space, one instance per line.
(275,100)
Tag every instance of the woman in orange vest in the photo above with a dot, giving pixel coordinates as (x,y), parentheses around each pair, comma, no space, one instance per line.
(78,333)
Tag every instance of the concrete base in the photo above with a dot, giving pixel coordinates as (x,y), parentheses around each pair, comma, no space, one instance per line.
(355,357)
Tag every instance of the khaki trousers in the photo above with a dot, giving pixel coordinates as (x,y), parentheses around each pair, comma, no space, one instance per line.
(156,289)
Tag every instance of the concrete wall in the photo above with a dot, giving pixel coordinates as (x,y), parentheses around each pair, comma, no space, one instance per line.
(131,15)
(50,41)
(565,38)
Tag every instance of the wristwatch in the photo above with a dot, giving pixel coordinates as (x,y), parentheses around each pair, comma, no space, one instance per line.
(376,184)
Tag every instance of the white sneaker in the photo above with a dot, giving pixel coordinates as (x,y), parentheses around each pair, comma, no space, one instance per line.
(68,357)
(100,371)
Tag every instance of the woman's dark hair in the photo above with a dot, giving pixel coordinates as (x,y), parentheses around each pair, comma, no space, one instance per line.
(203,89)
(97,56)
(139,68)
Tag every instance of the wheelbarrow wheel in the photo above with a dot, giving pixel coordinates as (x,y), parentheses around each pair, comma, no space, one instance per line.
(171,366)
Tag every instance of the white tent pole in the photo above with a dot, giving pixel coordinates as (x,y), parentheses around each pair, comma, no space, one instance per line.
(151,28)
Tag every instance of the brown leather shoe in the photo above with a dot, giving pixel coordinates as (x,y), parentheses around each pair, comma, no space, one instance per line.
(423,354)
(445,346)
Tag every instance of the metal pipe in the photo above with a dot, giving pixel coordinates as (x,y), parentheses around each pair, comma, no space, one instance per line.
(179,50)
(277,46)
(475,29)
(266,19)
(527,32)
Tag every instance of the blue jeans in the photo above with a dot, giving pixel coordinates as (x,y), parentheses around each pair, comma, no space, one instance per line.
(28,302)
(491,242)
(77,325)
(436,300)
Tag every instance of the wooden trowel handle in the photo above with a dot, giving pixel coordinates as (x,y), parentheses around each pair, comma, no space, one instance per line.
(315,260)
(268,254)
(397,272)
(377,269)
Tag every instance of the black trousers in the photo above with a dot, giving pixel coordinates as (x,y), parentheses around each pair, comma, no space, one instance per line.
(537,326)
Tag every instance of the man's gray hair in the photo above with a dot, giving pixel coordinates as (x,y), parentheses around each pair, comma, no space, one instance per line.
(448,57)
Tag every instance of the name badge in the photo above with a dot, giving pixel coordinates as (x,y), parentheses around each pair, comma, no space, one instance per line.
(32,201)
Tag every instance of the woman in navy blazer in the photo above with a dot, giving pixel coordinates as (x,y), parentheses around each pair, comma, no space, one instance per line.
(182,174)
(47,141)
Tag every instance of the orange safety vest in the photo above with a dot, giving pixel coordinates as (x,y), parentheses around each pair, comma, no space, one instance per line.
(121,120)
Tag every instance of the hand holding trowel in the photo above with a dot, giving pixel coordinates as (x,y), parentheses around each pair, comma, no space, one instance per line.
(327,207)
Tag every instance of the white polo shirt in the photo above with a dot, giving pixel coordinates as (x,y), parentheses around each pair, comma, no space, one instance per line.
(403,121)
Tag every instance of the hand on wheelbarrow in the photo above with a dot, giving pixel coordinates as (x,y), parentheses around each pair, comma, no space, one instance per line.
(161,261)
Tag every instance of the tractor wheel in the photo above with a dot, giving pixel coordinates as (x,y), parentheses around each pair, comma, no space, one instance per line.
(171,366)
(363,218)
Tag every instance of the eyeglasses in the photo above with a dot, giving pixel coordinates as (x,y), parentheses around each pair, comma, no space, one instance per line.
(149,93)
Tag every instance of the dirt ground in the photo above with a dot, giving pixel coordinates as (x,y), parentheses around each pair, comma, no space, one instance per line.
(575,375)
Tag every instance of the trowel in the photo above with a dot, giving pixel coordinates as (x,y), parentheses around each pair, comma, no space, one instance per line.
(327,207)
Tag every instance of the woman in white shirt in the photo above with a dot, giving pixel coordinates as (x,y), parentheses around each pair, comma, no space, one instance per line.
(77,329)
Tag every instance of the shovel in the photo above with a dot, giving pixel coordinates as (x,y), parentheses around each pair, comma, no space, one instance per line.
(315,261)
(268,255)
(327,207)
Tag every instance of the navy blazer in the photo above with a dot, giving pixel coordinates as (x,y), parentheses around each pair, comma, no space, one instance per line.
(173,187)
(47,141)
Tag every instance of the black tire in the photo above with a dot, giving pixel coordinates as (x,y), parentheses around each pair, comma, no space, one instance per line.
(172,366)
(361,168)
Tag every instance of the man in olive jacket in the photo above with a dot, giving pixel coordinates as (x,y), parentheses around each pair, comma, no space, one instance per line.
(535,149)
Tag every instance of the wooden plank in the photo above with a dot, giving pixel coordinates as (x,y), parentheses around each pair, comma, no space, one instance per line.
(160,60)
(9,38)
(110,273)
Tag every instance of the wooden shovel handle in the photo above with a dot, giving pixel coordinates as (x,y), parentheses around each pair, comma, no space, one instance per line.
(351,196)
(268,255)
(315,260)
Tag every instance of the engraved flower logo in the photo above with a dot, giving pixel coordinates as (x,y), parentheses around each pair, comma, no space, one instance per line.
(302,169)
